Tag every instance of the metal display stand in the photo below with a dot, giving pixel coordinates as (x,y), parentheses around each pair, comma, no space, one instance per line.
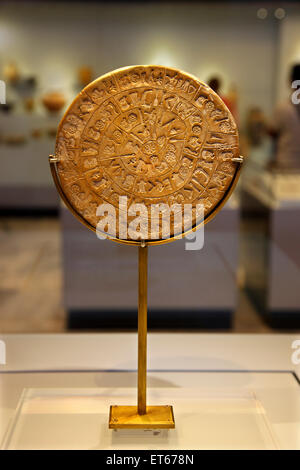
(142,416)
(219,185)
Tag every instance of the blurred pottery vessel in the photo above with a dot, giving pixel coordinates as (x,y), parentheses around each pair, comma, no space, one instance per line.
(53,101)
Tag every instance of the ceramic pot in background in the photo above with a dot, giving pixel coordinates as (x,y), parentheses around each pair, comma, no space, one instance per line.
(85,75)
(53,101)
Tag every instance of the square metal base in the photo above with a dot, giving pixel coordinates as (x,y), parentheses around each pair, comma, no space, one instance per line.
(127,417)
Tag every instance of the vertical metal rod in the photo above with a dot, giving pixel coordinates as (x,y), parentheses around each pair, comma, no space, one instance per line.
(142,328)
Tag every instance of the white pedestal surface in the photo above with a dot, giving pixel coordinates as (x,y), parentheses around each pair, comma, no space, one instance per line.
(101,368)
(78,419)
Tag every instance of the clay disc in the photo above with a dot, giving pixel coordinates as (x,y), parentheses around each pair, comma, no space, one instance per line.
(150,135)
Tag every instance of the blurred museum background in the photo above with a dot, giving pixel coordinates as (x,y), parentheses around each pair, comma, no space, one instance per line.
(55,274)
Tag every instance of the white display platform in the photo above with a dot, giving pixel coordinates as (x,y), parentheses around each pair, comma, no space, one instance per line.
(267,365)
(78,419)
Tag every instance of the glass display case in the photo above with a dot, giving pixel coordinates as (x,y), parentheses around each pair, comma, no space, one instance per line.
(228,391)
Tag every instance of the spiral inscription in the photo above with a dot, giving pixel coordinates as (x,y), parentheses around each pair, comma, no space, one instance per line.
(153,134)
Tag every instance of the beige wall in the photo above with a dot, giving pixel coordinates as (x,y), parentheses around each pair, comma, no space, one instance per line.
(53,40)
